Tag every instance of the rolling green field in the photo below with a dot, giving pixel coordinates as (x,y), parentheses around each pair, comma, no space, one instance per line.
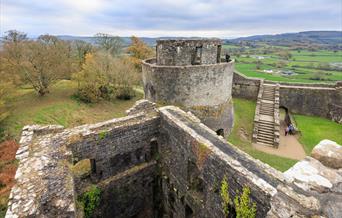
(306,66)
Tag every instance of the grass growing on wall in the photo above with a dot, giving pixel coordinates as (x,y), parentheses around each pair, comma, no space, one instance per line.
(241,135)
(314,129)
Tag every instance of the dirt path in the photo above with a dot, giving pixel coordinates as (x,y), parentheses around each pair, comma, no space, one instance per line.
(289,146)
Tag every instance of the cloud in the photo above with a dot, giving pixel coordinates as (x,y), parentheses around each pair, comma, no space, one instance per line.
(220,18)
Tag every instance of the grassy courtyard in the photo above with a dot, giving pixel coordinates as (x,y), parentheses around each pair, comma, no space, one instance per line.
(315,129)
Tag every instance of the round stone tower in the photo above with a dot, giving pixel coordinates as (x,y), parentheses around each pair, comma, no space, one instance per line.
(190,74)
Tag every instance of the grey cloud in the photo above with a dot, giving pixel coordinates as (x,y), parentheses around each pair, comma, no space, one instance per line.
(172,16)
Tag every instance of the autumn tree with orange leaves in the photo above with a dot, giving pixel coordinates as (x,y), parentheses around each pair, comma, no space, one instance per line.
(139,51)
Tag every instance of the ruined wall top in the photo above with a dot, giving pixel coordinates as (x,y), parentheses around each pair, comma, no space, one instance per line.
(180,52)
(194,161)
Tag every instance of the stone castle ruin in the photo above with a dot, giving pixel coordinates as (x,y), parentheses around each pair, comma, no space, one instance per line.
(166,162)
(191,75)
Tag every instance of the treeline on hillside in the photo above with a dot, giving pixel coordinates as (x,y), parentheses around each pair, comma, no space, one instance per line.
(102,71)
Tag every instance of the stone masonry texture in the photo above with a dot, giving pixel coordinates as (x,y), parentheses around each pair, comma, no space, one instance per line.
(323,100)
(191,75)
(162,163)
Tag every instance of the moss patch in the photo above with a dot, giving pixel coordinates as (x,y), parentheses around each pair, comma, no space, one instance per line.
(90,200)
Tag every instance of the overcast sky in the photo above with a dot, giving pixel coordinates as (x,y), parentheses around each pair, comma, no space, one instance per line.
(206,18)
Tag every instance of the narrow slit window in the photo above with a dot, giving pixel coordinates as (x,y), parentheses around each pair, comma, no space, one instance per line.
(198,55)
(93,166)
(219,53)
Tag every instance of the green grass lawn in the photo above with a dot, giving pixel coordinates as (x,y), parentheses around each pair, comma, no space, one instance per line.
(315,129)
(241,135)
(59,107)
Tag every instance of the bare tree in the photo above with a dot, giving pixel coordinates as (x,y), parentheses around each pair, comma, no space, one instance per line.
(105,77)
(112,44)
(39,63)
(14,36)
(81,49)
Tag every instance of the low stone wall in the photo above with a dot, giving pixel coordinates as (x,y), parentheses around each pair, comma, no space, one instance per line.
(323,100)
(244,87)
(316,101)
(44,184)
(335,113)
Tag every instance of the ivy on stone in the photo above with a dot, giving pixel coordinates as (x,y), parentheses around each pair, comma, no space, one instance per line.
(225,196)
(90,200)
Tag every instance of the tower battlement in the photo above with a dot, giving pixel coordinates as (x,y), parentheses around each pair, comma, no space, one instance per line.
(189,73)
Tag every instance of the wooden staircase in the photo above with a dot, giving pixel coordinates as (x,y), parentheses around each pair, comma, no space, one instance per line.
(266,121)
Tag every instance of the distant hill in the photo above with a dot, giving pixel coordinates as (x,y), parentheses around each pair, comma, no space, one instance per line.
(310,37)
(332,39)
(127,40)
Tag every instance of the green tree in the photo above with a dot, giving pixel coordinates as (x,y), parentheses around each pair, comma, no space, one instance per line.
(258,64)
(285,54)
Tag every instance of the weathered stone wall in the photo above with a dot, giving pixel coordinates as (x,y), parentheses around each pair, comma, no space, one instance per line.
(164,163)
(307,100)
(121,153)
(324,100)
(117,149)
(192,85)
(130,194)
(183,52)
(244,87)
(44,184)
(195,161)
(205,90)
